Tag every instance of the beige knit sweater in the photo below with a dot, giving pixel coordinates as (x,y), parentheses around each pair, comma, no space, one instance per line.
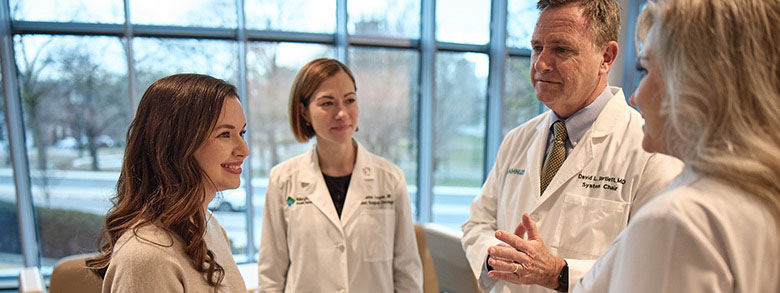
(154,261)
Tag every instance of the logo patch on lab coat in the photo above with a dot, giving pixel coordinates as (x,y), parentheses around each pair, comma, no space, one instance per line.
(515,171)
(298,200)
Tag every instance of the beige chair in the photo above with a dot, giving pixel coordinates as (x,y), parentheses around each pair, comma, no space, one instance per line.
(452,268)
(430,283)
(70,275)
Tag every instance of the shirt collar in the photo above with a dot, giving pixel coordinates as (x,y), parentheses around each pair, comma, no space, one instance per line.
(579,122)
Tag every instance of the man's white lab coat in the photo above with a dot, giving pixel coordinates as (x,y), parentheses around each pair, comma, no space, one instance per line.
(605,178)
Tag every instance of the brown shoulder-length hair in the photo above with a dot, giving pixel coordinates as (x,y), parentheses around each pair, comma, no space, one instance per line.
(308,79)
(160,182)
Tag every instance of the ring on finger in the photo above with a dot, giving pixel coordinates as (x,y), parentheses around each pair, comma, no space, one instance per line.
(516,267)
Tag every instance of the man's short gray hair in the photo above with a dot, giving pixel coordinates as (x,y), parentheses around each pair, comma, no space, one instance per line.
(603,17)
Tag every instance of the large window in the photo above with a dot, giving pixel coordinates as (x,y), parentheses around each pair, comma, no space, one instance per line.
(385,18)
(463,21)
(75,122)
(459,134)
(387,89)
(520,103)
(82,68)
(201,13)
(313,16)
(271,69)
(520,23)
(106,11)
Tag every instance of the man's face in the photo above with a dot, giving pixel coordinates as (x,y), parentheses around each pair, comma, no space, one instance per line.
(566,68)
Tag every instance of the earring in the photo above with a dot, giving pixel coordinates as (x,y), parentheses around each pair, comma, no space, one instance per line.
(308,124)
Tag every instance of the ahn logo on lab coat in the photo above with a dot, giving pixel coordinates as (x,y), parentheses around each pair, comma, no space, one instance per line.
(515,171)
(298,200)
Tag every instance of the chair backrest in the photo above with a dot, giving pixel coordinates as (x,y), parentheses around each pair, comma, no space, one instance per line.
(452,266)
(70,275)
(430,283)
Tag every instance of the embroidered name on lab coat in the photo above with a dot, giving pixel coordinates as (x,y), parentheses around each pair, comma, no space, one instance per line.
(600,182)
(381,201)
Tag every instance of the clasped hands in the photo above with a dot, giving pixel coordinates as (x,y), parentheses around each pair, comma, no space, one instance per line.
(522,260)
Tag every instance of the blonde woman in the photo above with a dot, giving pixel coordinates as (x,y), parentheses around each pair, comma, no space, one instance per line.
(711,97)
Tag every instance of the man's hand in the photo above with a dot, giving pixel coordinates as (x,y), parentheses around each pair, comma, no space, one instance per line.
(526,261)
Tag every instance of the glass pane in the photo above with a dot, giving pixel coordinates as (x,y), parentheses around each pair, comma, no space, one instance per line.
(521,20)
(11,259)
(520,103)
(103,11)
(271,69)
(384,17)
(387,82)
(463,21)
(315,16)
(459,140)
(76,110)
(200,13)
(157,58)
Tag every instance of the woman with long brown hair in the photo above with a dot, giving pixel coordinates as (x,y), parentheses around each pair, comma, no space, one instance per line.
(184,145)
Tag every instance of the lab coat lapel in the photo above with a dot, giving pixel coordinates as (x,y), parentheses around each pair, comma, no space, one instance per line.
(359,185)
(534,169)
(320,196)
(593,142)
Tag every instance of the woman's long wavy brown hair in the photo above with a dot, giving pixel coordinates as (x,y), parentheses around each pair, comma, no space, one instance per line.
(161,183)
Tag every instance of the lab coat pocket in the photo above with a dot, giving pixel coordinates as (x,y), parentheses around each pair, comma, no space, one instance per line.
(378,230)
(588,225)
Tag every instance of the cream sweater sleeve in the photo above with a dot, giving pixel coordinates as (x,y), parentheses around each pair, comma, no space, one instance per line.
(140,266)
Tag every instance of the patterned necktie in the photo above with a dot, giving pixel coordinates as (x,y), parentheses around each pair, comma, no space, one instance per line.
(557,154)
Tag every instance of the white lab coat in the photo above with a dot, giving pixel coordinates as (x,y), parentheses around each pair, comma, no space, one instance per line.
(700,236)
(307,248)
(605,179)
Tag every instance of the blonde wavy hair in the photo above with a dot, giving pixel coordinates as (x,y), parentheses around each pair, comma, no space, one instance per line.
(721,72)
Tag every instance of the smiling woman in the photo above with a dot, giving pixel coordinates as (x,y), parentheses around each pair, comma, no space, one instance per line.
(185,144)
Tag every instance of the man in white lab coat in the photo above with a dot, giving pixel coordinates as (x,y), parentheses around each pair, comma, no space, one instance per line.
(571,177)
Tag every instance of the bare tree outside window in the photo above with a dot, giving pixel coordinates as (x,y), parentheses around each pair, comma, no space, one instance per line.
(387,96)
(459,127)
(272,68)
(521,19)
(76,108)
(520,104)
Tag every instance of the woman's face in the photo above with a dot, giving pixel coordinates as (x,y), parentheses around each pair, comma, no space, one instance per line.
(648,98)
(333,110)
(225,149)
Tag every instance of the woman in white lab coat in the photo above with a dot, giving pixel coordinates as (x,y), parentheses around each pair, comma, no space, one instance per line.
(711,97)
(337,218)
